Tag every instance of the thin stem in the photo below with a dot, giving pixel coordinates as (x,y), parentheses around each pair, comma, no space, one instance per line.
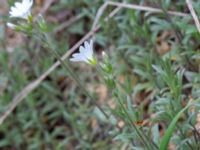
(132,121)
(98,68)
(73,75)
(133,126)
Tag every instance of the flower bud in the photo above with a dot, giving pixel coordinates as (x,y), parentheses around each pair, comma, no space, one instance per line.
(110,82)
(42,23)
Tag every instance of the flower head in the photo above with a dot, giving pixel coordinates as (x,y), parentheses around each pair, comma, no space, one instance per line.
(21,10)
(85,54)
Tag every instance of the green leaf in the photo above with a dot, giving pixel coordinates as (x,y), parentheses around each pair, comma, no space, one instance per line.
(166,138)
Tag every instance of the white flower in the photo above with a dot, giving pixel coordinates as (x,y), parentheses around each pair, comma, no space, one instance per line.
(85,54)
(21,10)
(11,25)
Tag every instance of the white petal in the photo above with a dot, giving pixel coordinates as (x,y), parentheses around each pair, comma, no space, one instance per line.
(75,59)
(88,55)
(83,51)
(11,25)
(21,10)
(87,46)
(91,46)
(14,10)
(79,57)
(18,5)
(89,51)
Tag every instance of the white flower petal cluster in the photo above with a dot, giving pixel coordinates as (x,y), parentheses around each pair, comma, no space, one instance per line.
(21,10)
(85,54)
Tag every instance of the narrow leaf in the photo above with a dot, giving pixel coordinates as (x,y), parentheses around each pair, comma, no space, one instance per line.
(166,138)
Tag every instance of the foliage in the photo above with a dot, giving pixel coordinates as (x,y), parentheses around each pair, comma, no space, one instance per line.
(144,83)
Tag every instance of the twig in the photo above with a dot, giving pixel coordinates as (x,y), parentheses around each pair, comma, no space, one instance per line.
(145,8)
(194,15)
(132,6)
(47,4)
(68,23)
(99,14)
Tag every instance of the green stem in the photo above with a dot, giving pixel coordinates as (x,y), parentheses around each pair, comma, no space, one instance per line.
(133,126)
(144,141)
(73,75)
(146,137)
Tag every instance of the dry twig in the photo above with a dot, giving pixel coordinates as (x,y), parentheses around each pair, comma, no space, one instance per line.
(67,23)
(46,6)
(134,7)
(145,8)
(194,15)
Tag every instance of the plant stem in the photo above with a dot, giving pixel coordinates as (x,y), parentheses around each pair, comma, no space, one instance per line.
(72,74)
(133,125)
(148,146)
(132,121)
